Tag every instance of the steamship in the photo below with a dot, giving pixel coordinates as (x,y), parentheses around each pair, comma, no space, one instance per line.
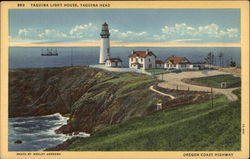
(50,52)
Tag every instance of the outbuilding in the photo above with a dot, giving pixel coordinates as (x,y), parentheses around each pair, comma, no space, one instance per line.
(159,64)
(113,62)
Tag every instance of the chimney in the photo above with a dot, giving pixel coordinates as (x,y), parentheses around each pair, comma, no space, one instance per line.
(147,51)
(132,51)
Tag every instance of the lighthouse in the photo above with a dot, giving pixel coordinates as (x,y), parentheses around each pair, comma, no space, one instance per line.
(104,48)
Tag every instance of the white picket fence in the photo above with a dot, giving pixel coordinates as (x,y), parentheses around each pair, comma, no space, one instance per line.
(125,69)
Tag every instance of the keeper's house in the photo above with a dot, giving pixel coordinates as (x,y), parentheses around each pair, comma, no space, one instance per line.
(142,59)
(177,63)
(182,63)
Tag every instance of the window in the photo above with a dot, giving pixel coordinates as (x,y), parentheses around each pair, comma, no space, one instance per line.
(149,60)
(136,59)
(174,65)
(131,59)
(141,59)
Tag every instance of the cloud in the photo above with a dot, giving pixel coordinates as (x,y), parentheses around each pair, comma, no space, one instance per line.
(180,29)
(36,34)
(18,40)
(78,32)
(232,32)
(51,33)
(25,33)
(211,30)
(81,31)
(177,33)
(185,40)
(129,35)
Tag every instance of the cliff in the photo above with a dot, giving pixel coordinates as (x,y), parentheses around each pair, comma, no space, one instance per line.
(91,97)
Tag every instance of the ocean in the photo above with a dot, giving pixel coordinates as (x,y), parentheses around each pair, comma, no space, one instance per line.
(36,133)
(30,57)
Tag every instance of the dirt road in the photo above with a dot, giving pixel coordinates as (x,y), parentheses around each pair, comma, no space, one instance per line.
(164,94)
(173,80)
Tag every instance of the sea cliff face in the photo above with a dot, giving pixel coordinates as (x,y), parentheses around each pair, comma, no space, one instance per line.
(91,97)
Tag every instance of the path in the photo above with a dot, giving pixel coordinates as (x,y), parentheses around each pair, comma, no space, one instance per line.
(164,94)
(173,80)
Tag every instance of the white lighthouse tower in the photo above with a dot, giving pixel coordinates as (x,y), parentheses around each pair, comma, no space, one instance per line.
(104,48)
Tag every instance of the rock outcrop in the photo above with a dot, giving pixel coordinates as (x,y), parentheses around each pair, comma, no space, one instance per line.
(94,98)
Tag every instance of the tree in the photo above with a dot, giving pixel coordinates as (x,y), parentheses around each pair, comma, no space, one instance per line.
(221,55)
(212,59)
(232,63)
(209,58)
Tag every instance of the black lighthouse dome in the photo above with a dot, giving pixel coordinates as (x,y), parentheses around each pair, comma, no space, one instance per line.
(105,31)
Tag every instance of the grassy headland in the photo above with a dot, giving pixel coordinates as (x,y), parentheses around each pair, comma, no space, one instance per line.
(215,81)
(114,107)
(192,127)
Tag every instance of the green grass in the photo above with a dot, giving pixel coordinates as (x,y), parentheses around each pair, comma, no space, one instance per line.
(156,70)
(215,81)
(189,70)
(187,128)
(124,85)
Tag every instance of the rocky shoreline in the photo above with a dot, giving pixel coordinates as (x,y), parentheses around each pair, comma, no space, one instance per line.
(91,98)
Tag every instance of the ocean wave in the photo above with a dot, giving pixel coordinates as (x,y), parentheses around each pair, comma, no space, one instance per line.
(83,134)
(37,133)
(20,129)
(52,139)
(36,117)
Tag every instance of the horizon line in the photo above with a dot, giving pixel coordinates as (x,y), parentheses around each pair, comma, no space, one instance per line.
(128,45)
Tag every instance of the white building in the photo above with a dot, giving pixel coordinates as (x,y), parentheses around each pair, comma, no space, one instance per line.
(182,63)
(177,63)
(105,48)
(142,59)
(199,65)
(113,62)
(159,64)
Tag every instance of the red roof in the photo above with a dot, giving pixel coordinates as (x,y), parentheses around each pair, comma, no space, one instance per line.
(198,62)
(159,62)
(177,60)
(114,60)
(141,54)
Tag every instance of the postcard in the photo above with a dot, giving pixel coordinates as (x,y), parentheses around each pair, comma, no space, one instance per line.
(125,79)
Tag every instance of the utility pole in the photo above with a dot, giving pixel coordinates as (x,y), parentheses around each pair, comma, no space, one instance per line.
(71,58)
(212,97)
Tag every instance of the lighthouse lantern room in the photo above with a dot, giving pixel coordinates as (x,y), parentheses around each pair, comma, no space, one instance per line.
(105,48)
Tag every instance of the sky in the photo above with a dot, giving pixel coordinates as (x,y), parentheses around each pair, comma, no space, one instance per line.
(128,27)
